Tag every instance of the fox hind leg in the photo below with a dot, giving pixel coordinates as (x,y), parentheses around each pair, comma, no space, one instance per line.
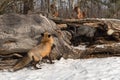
(35,62)
(35,65)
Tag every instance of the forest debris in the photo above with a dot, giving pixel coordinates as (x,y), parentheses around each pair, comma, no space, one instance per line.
(77,21)
(26,30)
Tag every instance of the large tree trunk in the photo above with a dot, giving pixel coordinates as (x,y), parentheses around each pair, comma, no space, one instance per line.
(20,33)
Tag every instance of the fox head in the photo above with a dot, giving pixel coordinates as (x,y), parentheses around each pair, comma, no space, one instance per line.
(47,37)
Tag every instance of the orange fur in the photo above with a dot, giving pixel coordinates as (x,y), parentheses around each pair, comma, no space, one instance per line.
(80,14)
(54,11)
(56,14)
(37,53)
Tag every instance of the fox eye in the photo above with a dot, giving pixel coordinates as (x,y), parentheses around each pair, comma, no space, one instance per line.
(42,34)
(49,35)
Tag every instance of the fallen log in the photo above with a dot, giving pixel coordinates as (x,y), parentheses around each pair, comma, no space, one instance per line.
(111,49)
(20,33)
(5,64)
(110,41)
(77,21)
(81,21)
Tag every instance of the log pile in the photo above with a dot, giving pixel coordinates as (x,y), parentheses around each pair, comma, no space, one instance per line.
(108,44)
(20,33)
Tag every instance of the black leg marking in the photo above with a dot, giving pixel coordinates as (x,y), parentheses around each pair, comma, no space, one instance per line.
(50,59)
(53,46)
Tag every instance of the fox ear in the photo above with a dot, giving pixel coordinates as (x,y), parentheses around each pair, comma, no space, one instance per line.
(42,34)
(49,36)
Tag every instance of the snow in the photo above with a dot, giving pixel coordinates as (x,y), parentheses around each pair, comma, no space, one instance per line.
(79,69)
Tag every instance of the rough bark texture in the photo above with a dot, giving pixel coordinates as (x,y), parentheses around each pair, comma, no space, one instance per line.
(102,46)
(20,33)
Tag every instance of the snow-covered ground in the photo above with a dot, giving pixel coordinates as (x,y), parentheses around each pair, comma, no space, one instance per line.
(80,69)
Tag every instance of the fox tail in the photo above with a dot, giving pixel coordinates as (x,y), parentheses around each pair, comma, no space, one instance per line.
(25,61)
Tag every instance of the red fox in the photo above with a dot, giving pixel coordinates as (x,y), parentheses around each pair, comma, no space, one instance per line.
(53,10)
(37,53)
(80,14)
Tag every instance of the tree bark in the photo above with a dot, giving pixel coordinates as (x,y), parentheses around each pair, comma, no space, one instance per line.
(100,51)
(20,33)
(107,46)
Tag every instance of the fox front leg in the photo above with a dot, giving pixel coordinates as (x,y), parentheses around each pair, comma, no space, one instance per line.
(50,60)
(49,56)
(53,46)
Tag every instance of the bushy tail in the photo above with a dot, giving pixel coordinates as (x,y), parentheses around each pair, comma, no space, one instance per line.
(25,61)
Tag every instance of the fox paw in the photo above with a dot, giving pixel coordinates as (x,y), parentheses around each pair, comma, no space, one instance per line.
(51,62)
(37,67)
